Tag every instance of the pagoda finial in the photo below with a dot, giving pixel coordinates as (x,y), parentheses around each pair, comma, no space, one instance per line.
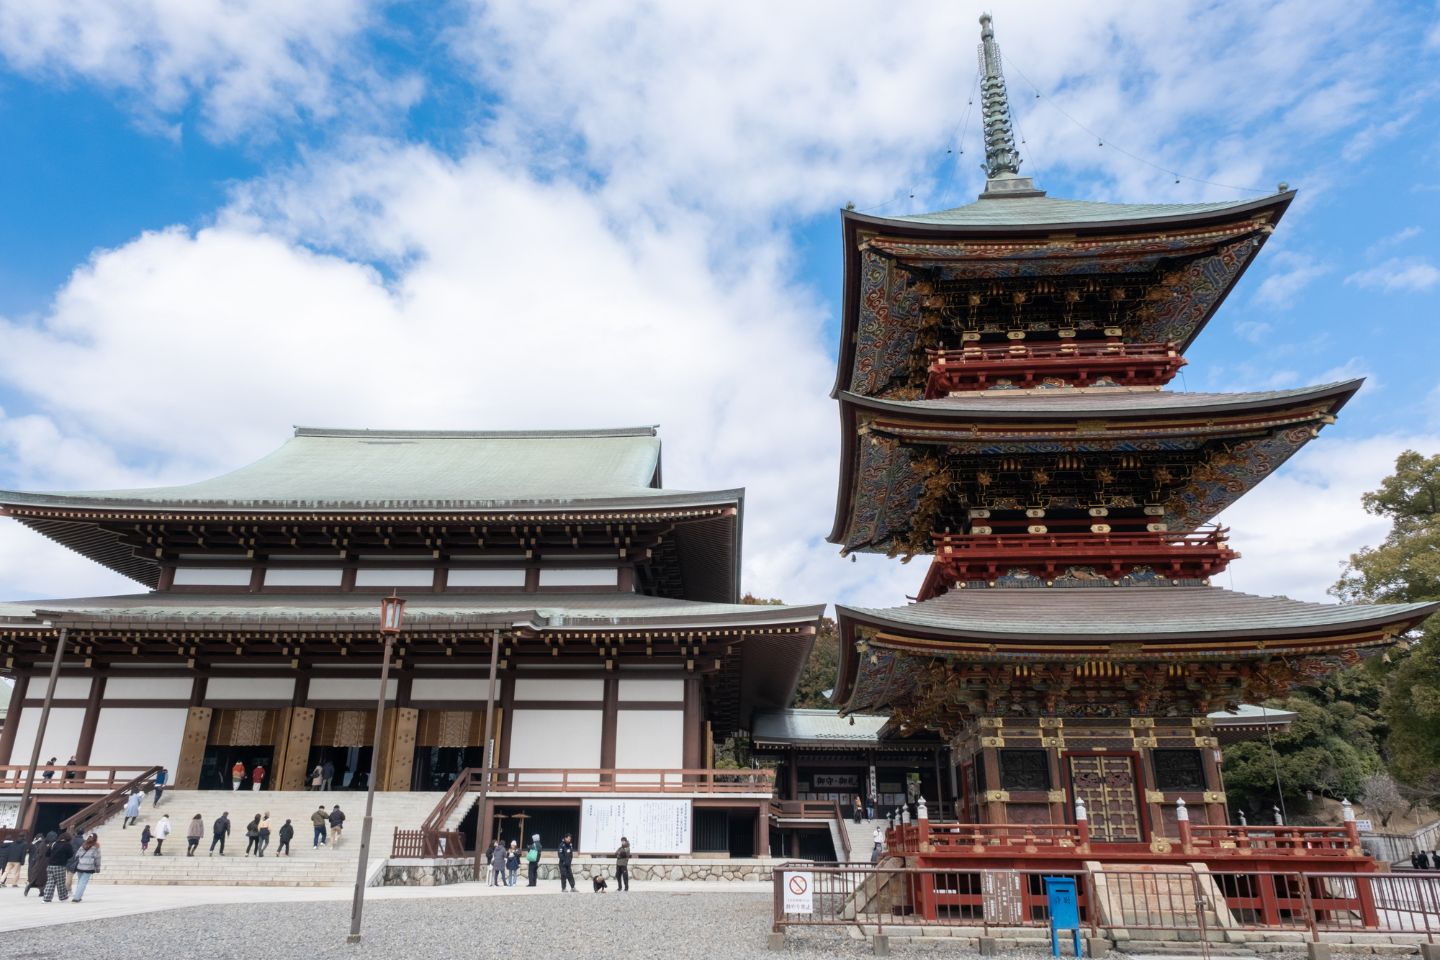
(1002,159)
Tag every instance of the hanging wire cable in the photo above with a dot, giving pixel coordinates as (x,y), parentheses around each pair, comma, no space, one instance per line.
(1102,141)
(963,128)
(1274,759)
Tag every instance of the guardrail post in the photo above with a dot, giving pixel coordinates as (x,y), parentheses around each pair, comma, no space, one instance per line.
(776,940)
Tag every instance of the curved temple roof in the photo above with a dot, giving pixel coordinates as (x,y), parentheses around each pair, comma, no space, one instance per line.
(320,469)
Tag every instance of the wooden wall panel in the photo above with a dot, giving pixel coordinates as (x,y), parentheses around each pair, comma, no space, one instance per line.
(450,728)
(294,768)
(344,728)
(192,748)
(402,750)
(247,728)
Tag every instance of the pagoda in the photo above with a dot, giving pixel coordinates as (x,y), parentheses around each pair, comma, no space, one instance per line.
(1002,388)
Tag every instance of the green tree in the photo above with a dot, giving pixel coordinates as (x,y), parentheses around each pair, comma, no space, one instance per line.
(821,669)
(1406,568)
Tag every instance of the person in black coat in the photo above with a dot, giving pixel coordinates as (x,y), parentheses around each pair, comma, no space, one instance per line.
(219,830)
(566,853)
(287,833)
(532,860)
(39,862)
(55,878)
(12,855)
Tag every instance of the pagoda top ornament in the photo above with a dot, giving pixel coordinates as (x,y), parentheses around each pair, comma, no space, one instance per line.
(1002,158)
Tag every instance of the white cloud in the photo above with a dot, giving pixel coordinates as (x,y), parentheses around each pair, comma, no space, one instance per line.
(1296,530)
(1401,236)
(245,62)
(1290,273)
(1397,275)
(1253,331)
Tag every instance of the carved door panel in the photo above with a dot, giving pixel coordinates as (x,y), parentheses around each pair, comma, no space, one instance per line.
(192,748)
(295,771)
(1112,800)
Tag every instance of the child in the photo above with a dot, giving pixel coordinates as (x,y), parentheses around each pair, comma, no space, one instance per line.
(145,838)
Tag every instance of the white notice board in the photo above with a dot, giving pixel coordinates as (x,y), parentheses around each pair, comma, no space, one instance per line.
(652,826)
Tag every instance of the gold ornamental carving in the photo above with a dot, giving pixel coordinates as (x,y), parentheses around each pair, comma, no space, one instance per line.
(1214,796)
(1052,723)
(992,741)
(997,796)
(1207,742)
(1138,722)
(1146,742)
(1055,796)
(1159,846)
(1154,796)
(1057,742)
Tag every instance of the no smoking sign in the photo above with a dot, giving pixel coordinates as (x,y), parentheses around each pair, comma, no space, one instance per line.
(799,892)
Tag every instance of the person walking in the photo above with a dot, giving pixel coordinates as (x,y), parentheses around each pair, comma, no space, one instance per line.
(72,762)
(337,824)
(318,820)
(857,809)
(145,837)
(512,863)
(264,831)
(315,778)
(497,864)
(622,866)
(257,777)
(566,853)
(287,833)
(219,830)
(532,860)
(39,862)
(237,775)
(87,864)
(194,833)
(55,879)
(132,809)
(252,835)
(162,830)
(878,840)
(327,776)
(49,773)
(12,855)
(160,779)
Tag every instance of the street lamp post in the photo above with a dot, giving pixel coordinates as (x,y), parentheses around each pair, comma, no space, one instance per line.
(392,614)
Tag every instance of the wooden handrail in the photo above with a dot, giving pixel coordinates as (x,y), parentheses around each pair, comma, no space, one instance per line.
(636,780)
(66,777)
(1086,349)
(103,809)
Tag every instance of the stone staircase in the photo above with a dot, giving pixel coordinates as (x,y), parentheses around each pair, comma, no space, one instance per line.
(1144,902)
(306,866)
(861,839)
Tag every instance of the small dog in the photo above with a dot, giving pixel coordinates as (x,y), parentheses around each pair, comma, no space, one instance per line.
(600,885)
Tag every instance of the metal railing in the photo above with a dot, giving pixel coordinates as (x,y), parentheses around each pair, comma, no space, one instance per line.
(1181,903)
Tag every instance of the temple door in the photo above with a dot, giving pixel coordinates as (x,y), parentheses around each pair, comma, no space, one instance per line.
(192,748)
(1112,800)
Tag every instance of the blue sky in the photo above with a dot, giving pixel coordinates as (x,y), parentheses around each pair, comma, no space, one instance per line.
(214,216)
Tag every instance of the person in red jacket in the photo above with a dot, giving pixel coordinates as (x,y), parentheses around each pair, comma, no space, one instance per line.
(237,774)
(257,777)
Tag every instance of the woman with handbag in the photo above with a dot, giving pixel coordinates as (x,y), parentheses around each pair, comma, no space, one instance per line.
(87,864)
(252,835)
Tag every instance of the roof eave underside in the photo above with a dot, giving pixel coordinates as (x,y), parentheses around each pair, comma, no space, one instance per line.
(852,222)
(850,404)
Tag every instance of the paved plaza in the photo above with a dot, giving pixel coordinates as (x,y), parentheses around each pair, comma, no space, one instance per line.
(665,921)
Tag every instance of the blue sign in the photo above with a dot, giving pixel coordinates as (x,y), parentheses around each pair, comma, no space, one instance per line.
(1064,906)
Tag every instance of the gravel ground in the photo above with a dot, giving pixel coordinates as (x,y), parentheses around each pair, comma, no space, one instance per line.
(662,926)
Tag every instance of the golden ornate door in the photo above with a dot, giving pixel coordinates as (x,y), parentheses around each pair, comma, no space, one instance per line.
(1112,798)
(192,748)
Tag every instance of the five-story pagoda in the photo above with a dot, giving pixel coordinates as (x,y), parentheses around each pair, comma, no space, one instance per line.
(1001,387)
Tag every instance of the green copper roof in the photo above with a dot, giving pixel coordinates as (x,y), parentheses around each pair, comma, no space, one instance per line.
(1108,614)
(570,611)
(389,470)
(1100,401)
(1052,211)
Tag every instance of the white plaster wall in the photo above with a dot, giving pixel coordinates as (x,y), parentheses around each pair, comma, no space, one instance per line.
(652,690)
(301,577)
(251,688)
(344,688)
(650,739)
(212,576)
(450,688)
(149,688)
(66,688)
(555,738)
(582,577)
(139,736)
(395,577)
(554,688)
(482,577)
(62,734)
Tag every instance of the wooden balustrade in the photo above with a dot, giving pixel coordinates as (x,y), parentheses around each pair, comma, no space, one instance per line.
(427,844)
(63,777)
(557,780)
(1199,839)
